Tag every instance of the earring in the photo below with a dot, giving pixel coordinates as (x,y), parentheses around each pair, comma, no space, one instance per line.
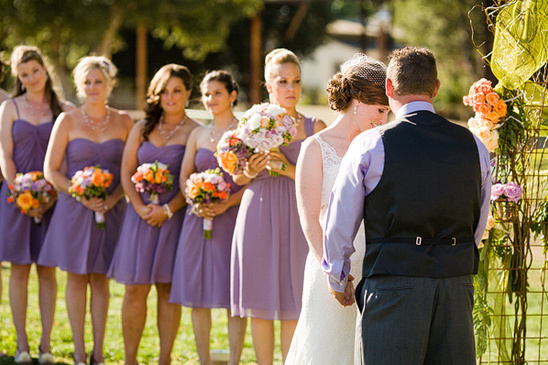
(187,103)
(355,109)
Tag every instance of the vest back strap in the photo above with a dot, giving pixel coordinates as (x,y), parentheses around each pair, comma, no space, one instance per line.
(421,241)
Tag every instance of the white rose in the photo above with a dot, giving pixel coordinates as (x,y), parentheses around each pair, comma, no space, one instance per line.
(274,110)
(254,122)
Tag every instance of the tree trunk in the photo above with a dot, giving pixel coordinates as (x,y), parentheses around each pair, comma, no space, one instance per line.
(104,47)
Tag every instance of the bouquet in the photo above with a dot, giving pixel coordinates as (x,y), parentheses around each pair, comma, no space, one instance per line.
(91,182)
(489,108)
(153,178)
(266,127)
(205,188)
(232,153)
(31,190)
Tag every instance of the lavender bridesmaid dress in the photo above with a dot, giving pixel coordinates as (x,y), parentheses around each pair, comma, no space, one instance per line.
(201,274)
(269,248)
(145,254)
(20,238)
(74,243)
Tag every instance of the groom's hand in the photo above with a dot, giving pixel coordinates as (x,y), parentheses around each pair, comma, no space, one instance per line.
(347,297)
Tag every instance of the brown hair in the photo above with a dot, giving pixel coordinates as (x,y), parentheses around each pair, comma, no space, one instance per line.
(353,84)
(23,54)
(157,86)
(413,71)
(278,56)
(223,77)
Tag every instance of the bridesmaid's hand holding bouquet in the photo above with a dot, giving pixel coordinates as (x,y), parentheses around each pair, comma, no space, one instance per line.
(205,188)
(154,179)
(32,194)
(91,183)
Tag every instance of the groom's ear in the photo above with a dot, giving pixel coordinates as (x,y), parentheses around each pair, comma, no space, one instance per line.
(389,88)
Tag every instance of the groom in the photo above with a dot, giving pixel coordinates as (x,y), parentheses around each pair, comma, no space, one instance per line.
(422,186)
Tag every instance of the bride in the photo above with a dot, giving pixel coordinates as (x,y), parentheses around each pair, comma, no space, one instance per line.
(325,331)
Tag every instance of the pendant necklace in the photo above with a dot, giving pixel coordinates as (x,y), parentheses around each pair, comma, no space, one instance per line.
(169,133)
(214,136)
(101,126)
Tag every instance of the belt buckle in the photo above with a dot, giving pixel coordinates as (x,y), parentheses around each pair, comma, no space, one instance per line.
(454,241)
(418,241)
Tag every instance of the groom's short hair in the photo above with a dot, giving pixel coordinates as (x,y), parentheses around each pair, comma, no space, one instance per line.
(413,71)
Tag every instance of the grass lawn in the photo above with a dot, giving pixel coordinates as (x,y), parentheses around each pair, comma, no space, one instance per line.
(184,351)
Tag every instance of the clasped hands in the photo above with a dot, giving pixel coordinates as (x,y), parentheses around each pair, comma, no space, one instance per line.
(209,211)
(272,160)
(346,298)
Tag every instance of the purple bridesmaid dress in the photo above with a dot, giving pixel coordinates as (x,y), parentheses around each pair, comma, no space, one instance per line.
(269,248)
(201,274)
(74,243)
(145,254)
(21,239)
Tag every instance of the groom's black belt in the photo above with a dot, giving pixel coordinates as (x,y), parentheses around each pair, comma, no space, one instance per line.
(420,241)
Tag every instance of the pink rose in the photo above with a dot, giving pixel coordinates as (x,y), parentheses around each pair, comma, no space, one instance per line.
(496,191)
(513,191)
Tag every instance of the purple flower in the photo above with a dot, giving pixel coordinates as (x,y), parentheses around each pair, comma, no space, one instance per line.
(496,191)
(513,191)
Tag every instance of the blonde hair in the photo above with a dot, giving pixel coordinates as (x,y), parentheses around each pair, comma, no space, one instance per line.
(86,64)
(278,56)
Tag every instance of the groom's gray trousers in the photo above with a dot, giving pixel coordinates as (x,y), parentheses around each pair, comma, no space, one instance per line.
(416,320)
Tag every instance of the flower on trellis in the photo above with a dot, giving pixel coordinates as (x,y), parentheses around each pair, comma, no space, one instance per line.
(510,191)
(489,108)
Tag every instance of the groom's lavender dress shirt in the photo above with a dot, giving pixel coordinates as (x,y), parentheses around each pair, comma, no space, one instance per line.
(360,172)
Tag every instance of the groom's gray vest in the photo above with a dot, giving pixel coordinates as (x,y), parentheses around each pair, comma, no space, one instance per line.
(421,217)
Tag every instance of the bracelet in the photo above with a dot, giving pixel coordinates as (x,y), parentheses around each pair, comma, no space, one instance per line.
(168,211)
(78,199)
(250,176)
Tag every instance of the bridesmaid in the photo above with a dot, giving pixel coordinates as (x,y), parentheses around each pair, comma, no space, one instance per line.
(149,235)
(3,96)
(93,134)
(201,274)
(26,123)
(269,247)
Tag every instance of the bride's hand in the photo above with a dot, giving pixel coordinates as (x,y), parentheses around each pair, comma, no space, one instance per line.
(347,297)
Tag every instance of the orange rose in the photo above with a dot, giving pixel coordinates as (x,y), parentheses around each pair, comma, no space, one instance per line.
(478,98)
(35,203)
(222,195)
(483,109)
(149,176)
(492,117)
(208,186)
(97,178)
(158,177)
(228,161)
(501,108)
(492,98)
(193,191)
(24,201)
(138,176)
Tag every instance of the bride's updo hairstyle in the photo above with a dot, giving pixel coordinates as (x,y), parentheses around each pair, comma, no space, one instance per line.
(361,78)
(279,56)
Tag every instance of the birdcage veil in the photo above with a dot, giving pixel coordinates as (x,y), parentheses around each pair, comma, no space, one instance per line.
(365,67)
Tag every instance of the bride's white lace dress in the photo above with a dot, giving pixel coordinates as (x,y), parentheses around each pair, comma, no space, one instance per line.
(325,333)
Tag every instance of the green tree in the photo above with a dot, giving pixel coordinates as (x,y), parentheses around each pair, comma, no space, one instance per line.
(444,27)
(66,30)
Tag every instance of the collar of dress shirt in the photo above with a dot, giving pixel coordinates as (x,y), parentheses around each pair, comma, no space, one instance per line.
(414,106)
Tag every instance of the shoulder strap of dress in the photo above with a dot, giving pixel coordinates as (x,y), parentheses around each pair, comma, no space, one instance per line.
(16,107)
(309,125)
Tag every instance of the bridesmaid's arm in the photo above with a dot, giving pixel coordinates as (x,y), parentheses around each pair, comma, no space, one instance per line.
(55,154)
(187,165)
(128,168)
(308,185)
(8,115)
(118,193)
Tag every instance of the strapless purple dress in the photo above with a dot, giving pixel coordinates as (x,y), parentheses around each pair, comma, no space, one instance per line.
(20,238)
(74,243)
(145,254)
(201,273)
(269,248)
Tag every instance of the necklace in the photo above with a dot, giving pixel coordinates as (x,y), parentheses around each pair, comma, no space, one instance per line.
(300,118)
(214,136)
(168,134)
(101,126)
(33,108)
